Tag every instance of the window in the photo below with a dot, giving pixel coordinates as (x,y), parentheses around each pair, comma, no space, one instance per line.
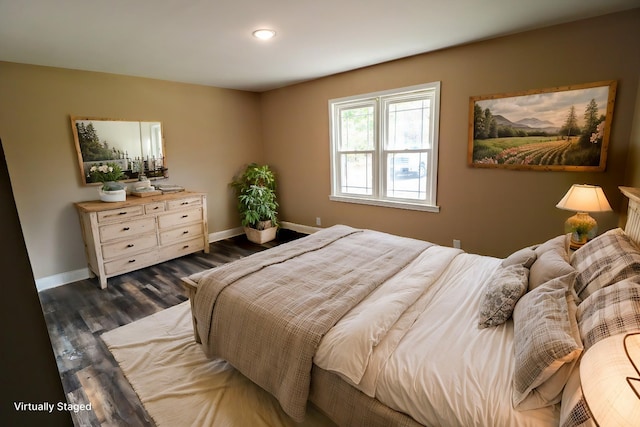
(384,147)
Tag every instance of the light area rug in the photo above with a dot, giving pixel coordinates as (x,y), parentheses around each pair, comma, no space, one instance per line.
(179,386)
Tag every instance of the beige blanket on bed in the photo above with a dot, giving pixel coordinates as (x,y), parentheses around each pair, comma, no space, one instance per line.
(267,313)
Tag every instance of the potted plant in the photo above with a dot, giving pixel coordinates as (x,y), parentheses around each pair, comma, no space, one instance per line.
(110,191)
(257,204)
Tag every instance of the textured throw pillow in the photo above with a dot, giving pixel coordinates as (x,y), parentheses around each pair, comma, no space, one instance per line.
(546,342)
(609,311)
(552,262)
(525,257)
(502,292)
(607,259)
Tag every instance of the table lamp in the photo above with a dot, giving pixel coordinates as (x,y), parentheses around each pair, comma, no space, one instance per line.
(582,199)
(611,380)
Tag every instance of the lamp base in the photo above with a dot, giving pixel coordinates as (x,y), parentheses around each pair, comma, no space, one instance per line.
(582,228)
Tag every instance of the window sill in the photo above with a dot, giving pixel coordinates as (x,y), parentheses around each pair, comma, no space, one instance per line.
(386,203)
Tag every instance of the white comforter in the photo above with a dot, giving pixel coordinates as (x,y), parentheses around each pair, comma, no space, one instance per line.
(414,344)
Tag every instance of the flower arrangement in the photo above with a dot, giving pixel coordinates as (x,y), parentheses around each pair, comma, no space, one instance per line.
(107,175)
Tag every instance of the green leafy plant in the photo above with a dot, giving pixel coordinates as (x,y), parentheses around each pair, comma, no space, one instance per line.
(255,187)
(107,174)
(581,229)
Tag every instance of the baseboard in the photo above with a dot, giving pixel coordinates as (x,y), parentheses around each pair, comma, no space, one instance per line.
(84,273)
(305,229)
(62,279)
(225,234)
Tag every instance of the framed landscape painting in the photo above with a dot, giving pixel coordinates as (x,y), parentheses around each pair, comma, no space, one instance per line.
(562,128)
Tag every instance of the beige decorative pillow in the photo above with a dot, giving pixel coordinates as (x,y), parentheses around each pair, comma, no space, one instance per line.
(525,257)
(552,261)
(502,292)
(605,260)
(558,244)
(546,342)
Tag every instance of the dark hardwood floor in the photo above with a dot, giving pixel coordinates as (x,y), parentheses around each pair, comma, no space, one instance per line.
(78,313)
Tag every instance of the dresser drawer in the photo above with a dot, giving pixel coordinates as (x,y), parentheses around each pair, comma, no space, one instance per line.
(120,214)
(126,229)
(182,248)
(153,208)
(125,236)
(126,247)
(183,203)
(175,219)
(130,263)
(181,233)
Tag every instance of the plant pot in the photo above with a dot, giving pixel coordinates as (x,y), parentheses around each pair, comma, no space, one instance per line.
(112,196)
(260,236)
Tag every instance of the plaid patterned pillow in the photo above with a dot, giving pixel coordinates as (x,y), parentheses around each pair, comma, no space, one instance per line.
(607,312)
(575,411)
(607,259)
(546,342)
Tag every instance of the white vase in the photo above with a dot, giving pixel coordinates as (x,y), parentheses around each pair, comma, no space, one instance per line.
(112,196)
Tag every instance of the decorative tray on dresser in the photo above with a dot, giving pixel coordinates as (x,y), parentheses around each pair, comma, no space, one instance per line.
(124,236)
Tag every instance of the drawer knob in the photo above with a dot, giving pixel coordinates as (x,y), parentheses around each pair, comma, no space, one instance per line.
(130,245)
(156,208)
(122,213)
(185,232)
(185,203)
(126,229)
(185,247)
(185,216)
(132,260)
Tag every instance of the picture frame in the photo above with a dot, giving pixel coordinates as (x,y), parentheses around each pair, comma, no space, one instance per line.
(557,129)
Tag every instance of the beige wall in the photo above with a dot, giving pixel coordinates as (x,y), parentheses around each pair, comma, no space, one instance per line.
(491,211)
(209,133)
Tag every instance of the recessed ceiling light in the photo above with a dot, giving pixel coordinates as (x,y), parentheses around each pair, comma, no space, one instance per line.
(264,34)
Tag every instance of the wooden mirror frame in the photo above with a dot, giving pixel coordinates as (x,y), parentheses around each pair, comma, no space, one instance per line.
(140,146)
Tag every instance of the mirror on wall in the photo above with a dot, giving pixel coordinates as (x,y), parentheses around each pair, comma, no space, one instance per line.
(136,146)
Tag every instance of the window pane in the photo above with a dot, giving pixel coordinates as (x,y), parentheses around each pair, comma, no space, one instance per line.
(409,124)
(384,147)
(356,174)
(407,175)
(356,128)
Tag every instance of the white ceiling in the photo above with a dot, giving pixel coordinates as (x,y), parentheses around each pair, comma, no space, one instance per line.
(209,42)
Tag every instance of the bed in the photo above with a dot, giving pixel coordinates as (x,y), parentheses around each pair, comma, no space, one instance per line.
(376,329)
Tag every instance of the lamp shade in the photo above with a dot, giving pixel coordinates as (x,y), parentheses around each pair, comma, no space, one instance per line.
(611,381)
(584,198)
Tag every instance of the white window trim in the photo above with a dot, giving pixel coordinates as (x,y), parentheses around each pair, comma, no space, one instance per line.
(375,200)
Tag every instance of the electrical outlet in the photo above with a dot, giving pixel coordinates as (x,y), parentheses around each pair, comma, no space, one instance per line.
(318,221)
(456,243)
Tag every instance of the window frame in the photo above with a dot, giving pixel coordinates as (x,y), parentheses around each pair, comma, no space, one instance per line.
(380,101)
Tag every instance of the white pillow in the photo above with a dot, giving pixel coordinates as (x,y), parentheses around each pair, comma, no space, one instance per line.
(552,261)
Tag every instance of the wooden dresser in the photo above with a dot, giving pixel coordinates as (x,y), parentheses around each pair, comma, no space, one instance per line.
(124,236)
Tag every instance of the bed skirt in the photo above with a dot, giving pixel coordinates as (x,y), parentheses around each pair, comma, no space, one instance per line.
(347,406)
